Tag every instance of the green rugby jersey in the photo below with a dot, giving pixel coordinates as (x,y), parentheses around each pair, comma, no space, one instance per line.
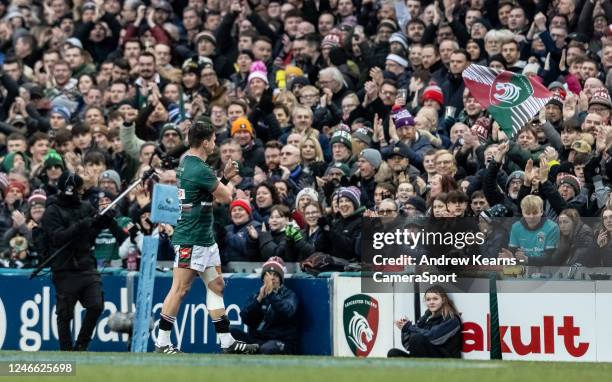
(196,183)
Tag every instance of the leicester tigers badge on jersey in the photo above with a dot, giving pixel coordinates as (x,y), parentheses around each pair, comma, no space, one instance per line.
(165,206)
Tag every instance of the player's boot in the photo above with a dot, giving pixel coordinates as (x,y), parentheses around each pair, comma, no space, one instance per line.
(240,347)
(168,349)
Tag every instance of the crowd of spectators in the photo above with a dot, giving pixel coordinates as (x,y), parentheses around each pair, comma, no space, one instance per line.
(337,111)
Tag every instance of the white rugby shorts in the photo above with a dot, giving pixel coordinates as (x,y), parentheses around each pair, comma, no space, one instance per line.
(196,257)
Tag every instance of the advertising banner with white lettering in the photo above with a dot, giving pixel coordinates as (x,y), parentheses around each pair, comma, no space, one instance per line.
(28,314)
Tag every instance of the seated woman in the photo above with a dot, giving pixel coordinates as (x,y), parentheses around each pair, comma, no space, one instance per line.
(577,241)
(437,334)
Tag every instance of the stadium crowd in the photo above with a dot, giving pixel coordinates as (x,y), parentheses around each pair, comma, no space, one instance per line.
(336,111)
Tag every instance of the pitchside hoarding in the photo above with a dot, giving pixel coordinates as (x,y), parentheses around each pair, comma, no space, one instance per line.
(546,326)
(28,311)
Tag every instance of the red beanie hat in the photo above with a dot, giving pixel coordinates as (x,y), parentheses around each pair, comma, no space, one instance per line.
(18,185)
(241,203)
(434,92)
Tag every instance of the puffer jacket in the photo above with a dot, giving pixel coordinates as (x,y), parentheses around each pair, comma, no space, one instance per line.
(444,333)
(342,237)
(274,318)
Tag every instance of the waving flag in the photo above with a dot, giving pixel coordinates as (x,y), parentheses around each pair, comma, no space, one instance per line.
(511,99)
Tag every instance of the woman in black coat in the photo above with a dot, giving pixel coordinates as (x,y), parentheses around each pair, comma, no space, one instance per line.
(341,237)
(577,242)
(437,334)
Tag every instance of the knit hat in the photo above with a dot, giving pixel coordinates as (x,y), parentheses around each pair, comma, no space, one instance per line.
(309,192)
(340,166)
(274,264)
(400,39)
(372,156)
(170,126)
(363,135)
(18,185)
(600,97)
(401,117)
(433,92)
(515,175)
(294,71)
(54,159)
(3,182)
(531,68)
(331,40)
(557,88)
(398,60)
(352,193)
(241,124)
(388,23)
(243,204)
(557,101)
(206,36)
(417,203)
(258,70)
(62,111)
(113,176)
(38,197)
(74,42)
(343,137)
(497,211)
(191,65)
(572,181)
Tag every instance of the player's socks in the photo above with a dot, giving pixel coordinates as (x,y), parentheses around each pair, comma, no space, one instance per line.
(222,327)
(165,329)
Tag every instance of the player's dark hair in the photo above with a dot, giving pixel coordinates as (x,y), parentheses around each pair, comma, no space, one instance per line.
(199,132)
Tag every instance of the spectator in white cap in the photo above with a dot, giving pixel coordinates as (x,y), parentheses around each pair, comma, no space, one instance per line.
(397,66)
(368,164)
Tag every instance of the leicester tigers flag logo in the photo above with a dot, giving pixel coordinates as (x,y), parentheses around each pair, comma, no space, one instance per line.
(511,99)
(361,323)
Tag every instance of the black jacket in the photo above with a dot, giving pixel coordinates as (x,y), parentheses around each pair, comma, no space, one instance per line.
(274,318)
(579,248)
(277,244)
(66,221)
(342,237)
(444,333)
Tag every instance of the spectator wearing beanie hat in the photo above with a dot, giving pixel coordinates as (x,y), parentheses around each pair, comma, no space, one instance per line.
(309,195)
(417,144)
(252,149)
(433,96)
(342,147)
(111,181)
(53,168)
(342,236)
(368,164)
(270,313)
(397,65)
(237,244)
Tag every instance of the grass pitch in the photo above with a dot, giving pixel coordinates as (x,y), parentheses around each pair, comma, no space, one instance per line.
(111,367)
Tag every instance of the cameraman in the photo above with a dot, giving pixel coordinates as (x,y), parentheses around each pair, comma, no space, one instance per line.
(75,276)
